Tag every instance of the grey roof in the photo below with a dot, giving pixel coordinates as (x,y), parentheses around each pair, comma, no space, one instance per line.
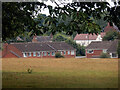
(43,38)
(44,46)
(111,46)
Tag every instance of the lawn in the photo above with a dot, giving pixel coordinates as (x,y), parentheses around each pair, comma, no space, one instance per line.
(60,73)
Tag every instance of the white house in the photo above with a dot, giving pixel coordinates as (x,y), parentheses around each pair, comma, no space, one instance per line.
(86,39)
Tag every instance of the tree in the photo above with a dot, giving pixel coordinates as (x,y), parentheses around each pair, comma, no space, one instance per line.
(118,49)
(17,17)
(80,50)
(111,35)
(60,37)
(72,17)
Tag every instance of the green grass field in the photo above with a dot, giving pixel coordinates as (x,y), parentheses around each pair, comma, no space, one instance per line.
(60,73)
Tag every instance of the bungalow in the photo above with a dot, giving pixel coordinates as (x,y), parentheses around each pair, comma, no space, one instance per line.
(95,49)
(39,50)
(86,39)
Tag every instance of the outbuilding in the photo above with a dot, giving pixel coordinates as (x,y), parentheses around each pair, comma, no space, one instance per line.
(39,50)
(95,49)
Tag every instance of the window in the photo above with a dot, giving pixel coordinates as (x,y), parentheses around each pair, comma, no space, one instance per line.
(114,55)
(45,54)
(72,52)
(42,53)
(61,52)
(64,52)
(68,52)
(38,54)
(104,51)
(29,54)
(53,53)
(34,53)
(24,54)
(48,53)
(89,51)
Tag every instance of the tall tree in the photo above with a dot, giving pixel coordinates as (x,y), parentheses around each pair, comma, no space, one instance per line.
(73,17)
(17,17)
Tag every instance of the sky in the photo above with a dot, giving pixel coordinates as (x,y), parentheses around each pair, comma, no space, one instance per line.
(49,2)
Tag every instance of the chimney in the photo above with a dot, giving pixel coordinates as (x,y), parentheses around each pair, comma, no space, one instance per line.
(51,36)
(34,38)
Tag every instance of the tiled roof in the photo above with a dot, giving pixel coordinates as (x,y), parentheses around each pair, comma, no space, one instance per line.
(111,46)
(47,46)
(111,28)
(43,38)
(87,36)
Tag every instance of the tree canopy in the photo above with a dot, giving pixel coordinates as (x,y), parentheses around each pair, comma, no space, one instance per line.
(18,17)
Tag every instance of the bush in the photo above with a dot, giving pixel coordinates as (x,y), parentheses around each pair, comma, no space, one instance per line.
(29,70)
(80,50)
(104,55)
(58,55)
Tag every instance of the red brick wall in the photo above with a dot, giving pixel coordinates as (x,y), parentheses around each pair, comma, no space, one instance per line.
(50,55)
(7,54)
(95,53)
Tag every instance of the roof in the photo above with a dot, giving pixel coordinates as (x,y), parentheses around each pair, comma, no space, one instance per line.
(111,46)
(43,38)
(87,36)
(111,28)
(42,46)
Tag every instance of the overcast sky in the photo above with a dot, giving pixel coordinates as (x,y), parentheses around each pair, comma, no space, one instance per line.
(49,2)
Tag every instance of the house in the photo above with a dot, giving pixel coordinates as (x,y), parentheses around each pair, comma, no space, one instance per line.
(42,38)
(39,50)
(95,49)
(111,28)
(86,39)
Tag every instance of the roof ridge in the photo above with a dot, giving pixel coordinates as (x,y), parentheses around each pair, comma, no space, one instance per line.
(14,53)
(50,46)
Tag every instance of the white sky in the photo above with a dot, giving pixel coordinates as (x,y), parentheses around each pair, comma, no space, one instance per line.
(49,2)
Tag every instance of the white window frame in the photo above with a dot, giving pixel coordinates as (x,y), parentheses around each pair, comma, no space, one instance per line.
(48,53)
(34,54)
(72,52)
(24,54)
(29,54)
(104,51)
(53,53)
(61,52)
(88,51)
(64,52)
(38,54)
(45,53)
(68,52)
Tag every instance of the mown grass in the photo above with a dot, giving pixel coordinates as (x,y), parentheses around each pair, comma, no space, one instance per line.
(60,73)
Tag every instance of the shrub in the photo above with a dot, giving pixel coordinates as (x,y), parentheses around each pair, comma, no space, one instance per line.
(58,55)
(29,70)
(104,55)
(80,50)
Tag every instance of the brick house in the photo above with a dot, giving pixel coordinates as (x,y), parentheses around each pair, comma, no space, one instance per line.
(109,28)
(95,49)
(86,39)
(37,50)
(42,38)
